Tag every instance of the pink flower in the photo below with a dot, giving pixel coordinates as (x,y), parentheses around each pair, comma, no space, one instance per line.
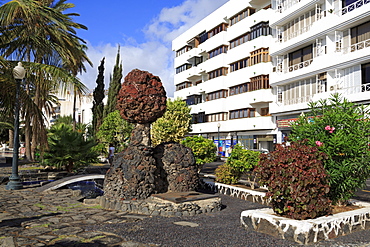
(319,143)
(330,129)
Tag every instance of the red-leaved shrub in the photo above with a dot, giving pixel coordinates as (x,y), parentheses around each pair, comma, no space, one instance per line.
(297,181)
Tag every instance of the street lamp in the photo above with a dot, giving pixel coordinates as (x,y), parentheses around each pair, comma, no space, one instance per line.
(14,180)
(218,141)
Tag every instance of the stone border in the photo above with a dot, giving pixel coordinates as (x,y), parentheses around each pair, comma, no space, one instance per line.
(308,231)
(155,206)
(230,190)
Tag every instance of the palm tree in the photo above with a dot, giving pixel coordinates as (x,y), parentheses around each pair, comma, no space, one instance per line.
(39,32)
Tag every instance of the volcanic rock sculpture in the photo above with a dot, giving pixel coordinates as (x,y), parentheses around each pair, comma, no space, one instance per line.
(140,171)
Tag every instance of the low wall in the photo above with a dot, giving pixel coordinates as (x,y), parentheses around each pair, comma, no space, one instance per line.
(307,231)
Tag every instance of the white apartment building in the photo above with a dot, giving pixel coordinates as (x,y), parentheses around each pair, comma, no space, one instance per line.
(222,71)
(319,47)
(246,86)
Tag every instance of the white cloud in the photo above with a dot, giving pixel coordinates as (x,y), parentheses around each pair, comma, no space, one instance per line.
(155,55)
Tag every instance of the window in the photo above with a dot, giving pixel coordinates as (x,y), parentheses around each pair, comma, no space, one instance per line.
(347,2)
(217,95)
(365,73)
(360,33)
(301,55)
(260,56)
(242,88)
(183,68)
(183,50)
(183,85)
(240,40)
(241,15)
(203,37)
(242,113)
(217,30)
(259,82)
(239,64)
(261,29)
(217,51)
(193,99)
(217,73)
(265,111)
(299,25)
(215,117)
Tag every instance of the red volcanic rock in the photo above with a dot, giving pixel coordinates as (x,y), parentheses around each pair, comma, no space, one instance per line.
(142,98)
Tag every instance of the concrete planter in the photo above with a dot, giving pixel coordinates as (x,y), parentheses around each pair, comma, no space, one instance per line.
(307,231)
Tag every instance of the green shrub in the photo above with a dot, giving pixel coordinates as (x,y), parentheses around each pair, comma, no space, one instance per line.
(226,174)
(68,148)
(297,181)
(204,150)
(240,162)
(340,129)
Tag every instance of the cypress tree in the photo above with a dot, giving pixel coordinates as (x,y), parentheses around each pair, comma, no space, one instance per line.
(98,105)
(114,86)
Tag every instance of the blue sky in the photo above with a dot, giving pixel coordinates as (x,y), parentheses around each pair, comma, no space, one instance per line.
(144,30)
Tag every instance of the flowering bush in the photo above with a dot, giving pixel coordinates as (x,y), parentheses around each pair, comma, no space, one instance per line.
(340,129)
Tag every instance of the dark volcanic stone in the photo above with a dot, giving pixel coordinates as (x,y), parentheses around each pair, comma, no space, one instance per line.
(177,170)
(132,174)
(142,98)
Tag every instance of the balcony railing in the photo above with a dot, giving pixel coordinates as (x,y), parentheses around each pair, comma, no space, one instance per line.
(353,6)
(299,66)
(319,51)
(355,47)
(282,6)
(351,90)
(298,100)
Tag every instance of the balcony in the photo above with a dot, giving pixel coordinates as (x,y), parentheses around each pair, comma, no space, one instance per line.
(355,47)
(353,6)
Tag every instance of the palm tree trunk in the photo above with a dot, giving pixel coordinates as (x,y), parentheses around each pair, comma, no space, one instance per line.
(74,108)
(11,138)
(27,139)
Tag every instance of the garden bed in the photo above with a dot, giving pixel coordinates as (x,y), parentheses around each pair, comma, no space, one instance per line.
(311,230)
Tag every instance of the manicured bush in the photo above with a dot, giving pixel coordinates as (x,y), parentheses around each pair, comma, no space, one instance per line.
(240,161)
(340,129)
(204,150)
(297,181)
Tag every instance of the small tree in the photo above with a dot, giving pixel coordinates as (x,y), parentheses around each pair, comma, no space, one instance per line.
(340,129)
(116,130)
(98,105)
(68,148)
(174,124)
(240,162)
(204,150)
(114,86)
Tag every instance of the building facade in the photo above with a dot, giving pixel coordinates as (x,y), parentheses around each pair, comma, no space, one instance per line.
(222,71)
(320,47)
(249,69)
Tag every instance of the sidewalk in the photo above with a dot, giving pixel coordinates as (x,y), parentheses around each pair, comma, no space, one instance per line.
(59,218)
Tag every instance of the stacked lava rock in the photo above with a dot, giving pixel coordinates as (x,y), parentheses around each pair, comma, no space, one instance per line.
(140,171)
(141,100)
(177,169)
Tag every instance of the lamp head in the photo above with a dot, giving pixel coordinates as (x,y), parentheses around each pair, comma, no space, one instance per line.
(19,72)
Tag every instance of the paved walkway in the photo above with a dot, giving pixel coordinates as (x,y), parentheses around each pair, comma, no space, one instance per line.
(59,218)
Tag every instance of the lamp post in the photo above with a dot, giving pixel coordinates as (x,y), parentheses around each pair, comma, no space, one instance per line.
(14,180)
(218,141)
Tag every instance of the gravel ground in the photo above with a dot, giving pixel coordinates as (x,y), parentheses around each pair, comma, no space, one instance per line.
(215,229)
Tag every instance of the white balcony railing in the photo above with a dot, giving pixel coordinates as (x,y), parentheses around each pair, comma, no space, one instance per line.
(284,5)
(298,66)
(298,100)
(353,6)
(355,47)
